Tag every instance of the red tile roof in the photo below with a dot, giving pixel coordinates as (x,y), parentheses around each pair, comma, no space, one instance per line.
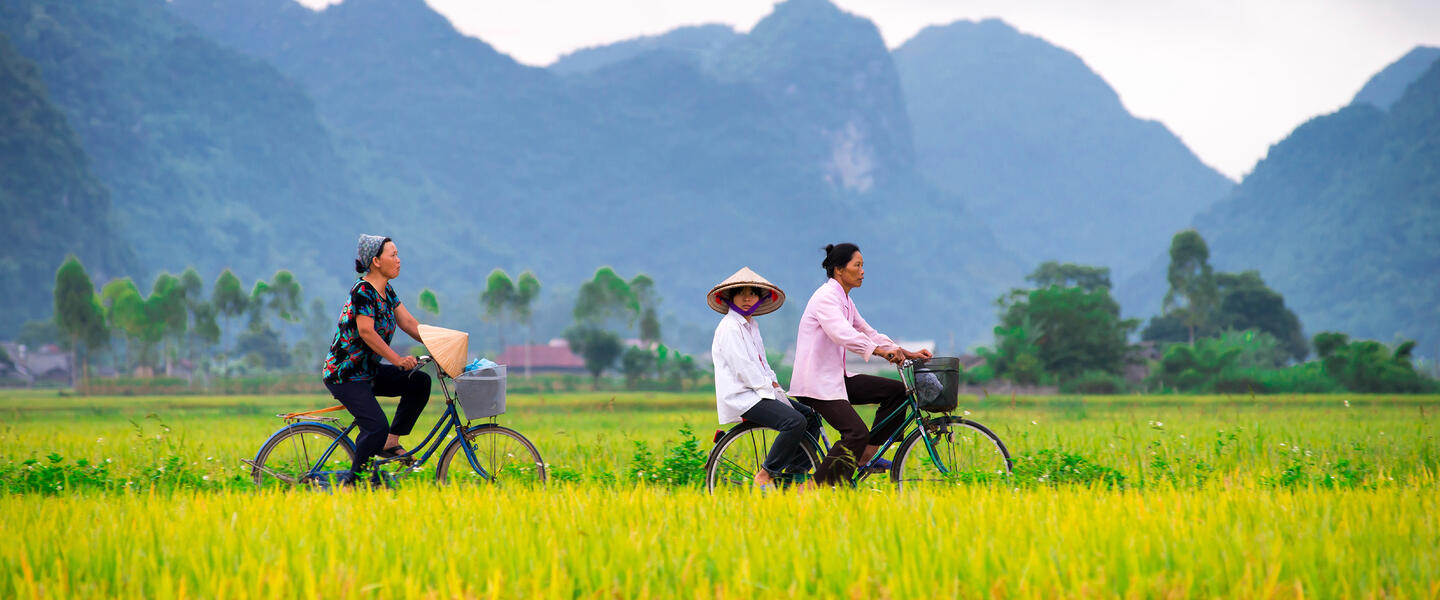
(541,356)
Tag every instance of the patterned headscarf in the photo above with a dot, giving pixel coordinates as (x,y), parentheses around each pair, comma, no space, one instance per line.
(368,249)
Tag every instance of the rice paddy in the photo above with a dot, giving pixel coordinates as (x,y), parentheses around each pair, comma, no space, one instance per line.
(1112,496)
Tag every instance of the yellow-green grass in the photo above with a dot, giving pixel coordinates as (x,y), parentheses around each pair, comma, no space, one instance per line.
(638,542)
(1223,496)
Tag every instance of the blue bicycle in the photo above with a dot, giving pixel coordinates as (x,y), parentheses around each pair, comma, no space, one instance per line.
(312,450)
(933,450)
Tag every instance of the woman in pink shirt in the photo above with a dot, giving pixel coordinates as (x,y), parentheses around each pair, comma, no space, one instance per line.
(830,327)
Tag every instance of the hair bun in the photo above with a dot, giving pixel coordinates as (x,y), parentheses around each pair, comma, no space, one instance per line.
(829,248)
(359,266)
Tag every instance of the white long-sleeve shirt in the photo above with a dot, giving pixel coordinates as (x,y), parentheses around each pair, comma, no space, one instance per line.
(742,375)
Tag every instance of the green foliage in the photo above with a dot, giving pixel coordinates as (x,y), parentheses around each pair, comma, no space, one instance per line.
(1195,367)
(78,313)
(1246,303)
(1060,331)
(636,363)
(606,296)
(1058,467)
(1085,277)
(1193,292)
(428,302)
(1095,382)
(1369,366)
(599,348)
(684,464)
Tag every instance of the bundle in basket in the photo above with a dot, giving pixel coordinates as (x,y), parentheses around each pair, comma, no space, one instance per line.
(937,383)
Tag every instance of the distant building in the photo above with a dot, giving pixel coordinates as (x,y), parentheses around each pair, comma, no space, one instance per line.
(47,364)
(554,357)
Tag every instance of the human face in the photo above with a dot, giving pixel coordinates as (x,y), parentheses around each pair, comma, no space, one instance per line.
(853,273)
(745,298)
(388,262)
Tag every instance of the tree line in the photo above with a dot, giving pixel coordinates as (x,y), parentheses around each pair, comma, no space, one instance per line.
(1216,332)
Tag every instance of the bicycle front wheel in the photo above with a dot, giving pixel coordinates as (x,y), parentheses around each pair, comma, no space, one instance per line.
(742,450)
(292,456)
(502,454)
(963,452)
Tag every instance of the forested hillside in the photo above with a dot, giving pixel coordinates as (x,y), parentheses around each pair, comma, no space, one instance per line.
(1343,218)
(46,187)
(1041,147)
(680,164)
(212,159)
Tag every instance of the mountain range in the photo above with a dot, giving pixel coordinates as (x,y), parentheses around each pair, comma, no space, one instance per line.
(264,135)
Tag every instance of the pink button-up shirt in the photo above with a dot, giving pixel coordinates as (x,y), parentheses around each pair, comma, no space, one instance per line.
(830,326)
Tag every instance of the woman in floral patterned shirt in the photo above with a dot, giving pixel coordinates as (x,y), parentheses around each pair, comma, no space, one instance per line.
(353,371)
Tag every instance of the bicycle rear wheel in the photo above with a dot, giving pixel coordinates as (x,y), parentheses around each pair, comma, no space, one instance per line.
(503,454)
(739,454)
(294,452)
(965,452)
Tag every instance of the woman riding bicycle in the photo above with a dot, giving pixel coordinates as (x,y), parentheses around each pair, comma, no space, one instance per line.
(830,326)
(745,385)
(353,372)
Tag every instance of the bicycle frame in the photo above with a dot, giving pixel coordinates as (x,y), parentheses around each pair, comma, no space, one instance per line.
(439,433)
(912,418)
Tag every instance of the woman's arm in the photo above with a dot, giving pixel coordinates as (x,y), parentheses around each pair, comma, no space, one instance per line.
(840,330)
(407,323)
(366,327)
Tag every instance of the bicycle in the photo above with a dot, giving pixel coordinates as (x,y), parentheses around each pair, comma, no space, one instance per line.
(934,450)
(311,450)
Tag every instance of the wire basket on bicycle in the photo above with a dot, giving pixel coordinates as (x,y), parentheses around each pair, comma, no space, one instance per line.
(937,383)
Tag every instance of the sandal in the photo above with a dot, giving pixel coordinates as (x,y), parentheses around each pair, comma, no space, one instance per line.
(396,452)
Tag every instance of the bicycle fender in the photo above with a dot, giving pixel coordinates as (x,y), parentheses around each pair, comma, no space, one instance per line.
(344,439)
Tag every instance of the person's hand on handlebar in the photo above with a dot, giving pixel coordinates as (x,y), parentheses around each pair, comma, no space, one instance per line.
(407,362)
(923,353)
(894,354)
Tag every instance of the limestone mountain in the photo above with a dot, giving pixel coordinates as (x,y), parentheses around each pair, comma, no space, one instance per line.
(1042,148)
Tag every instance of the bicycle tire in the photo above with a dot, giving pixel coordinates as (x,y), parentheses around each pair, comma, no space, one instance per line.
(969,453)
(296,455)
(499,451)
(740,452)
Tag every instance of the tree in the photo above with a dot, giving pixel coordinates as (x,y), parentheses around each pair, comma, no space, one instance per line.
(498,297)
(599,348)
(606,296)
(78,314)
(1067,328)
(527,289)
(429,303)
(636,363)
(1191,280)
(1051,273)
(167,315)
(1369,366)
(127,314)
(229,299)
(1246,303)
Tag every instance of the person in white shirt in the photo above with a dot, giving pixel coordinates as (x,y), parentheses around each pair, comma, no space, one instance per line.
(745,385)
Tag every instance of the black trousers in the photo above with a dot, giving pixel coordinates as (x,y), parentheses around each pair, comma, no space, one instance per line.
(413,388)
(840,463)
(792,421)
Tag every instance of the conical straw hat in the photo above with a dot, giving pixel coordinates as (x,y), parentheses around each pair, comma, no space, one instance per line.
(746,277)
(448,347)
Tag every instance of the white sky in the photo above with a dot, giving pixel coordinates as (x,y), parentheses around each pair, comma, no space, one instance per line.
(1230,77)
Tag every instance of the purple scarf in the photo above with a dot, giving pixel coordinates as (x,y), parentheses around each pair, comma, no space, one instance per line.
(746,313)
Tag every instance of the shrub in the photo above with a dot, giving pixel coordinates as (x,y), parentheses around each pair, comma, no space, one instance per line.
(1096,382)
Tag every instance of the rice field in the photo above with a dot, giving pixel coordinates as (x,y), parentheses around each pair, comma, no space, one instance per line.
(1112,496)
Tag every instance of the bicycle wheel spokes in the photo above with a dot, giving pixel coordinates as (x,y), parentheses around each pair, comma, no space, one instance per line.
(964,453)
(292,457)
(504,456)
(740,454)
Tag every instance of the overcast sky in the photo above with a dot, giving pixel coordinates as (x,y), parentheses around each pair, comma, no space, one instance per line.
(1230,77)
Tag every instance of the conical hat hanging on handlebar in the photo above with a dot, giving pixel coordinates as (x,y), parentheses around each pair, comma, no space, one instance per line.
(448,347)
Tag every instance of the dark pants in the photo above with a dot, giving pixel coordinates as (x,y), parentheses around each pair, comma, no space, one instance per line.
(787,452)
(413,388)
(840,462)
